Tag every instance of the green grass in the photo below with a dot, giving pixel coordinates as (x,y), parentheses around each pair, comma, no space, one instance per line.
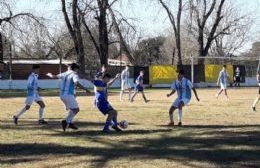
(216,133)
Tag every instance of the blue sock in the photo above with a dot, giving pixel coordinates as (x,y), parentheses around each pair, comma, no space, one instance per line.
(114,121)
(107,124)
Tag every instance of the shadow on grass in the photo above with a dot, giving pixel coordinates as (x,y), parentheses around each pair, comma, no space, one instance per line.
(239,149)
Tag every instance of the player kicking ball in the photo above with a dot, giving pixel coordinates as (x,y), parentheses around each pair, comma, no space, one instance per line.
(139,88)
(32,96)
(258,98)
(223,81)
(102,103)
(125,83)
(183,87)
(69,80)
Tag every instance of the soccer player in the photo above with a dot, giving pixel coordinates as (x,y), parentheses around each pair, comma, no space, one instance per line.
(102,103)
(70,80)
(223,81)
(237,77)
(139,87)
(98,75)
(125,83)
(258,98)
(32,96)
(183,86)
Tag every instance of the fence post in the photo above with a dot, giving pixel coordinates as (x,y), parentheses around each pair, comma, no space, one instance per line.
(192,68)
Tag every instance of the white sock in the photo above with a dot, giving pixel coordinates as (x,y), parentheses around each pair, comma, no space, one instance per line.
(121,95)
(129,96)
(41,111)
(23,110)
(70,117)
(256,101)
(171,117)
(180,115)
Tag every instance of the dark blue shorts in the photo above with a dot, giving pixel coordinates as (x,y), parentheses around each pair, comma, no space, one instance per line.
(139,88)
(104,107)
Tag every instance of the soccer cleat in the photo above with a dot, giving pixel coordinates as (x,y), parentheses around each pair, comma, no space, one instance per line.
(72,126)
(171,124)
(106,131)
(42,122)
(64,125)
(179,123)
(146,101)
(15,120)
(115,127)
(253,109)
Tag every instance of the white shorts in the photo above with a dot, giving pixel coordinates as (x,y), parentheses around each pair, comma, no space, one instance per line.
(30,99)
(125,85)
(223,86)
(69,101)
(177,102)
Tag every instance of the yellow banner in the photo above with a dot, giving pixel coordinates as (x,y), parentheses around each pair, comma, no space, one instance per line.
(162,74)
(212,72)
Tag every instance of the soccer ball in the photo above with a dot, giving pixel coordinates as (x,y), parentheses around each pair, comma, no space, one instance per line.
(123,124)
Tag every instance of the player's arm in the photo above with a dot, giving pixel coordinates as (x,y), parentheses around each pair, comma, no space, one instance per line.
(195,93)
(79,85)
(172,92)
(52,76)
(113,80)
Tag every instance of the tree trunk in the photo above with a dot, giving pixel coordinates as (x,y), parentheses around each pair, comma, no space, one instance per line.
(103,33)
(1,48)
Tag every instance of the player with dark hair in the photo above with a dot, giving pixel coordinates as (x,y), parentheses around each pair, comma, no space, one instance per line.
(223,81)
(102,103)
(237,77)
(32,96)
(98,75)
(183,86)
(70,80)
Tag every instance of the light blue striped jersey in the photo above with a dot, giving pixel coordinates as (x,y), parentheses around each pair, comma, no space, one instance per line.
(223,75)
(125,75)
(68,80)
(32,85)
(183,88)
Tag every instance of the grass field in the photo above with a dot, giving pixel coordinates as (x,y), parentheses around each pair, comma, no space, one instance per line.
(216,133)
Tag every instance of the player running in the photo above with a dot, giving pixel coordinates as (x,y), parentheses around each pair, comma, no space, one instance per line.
(183,86)
(223,81)
(139,87)
(32,96)
(102,103)
(69,80)
(125,83)
(258,98)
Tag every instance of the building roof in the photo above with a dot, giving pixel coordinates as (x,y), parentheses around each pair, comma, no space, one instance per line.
(37,61)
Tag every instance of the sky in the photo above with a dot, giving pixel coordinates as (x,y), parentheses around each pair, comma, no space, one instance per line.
(149,19)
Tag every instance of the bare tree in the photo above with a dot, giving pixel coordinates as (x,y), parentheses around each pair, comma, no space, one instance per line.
(74,27)
(176,24)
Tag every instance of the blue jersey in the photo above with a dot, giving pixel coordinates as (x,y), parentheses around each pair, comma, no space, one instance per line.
(32,85)
(183,88)
(101,90)
(139,80)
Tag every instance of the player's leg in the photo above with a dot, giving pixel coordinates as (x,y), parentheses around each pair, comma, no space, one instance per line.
(180,106)
(133,96)
(121,95)
(114,121)
(129,93)
(41,112)
(219,92)
(255,103)
(171,112)
(143,95)
(226,94)
(28,103)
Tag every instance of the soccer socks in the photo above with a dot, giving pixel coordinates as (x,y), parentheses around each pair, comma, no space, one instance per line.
(41,111)
(23,110)
(107,125)
(114,121)
(121,95)
(171,117)
(256,101)
(180,115)
(70,117)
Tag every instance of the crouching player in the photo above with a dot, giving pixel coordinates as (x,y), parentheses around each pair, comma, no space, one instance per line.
(70,80)
(103,104)
(183,87)
(32,96)
(258,98)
